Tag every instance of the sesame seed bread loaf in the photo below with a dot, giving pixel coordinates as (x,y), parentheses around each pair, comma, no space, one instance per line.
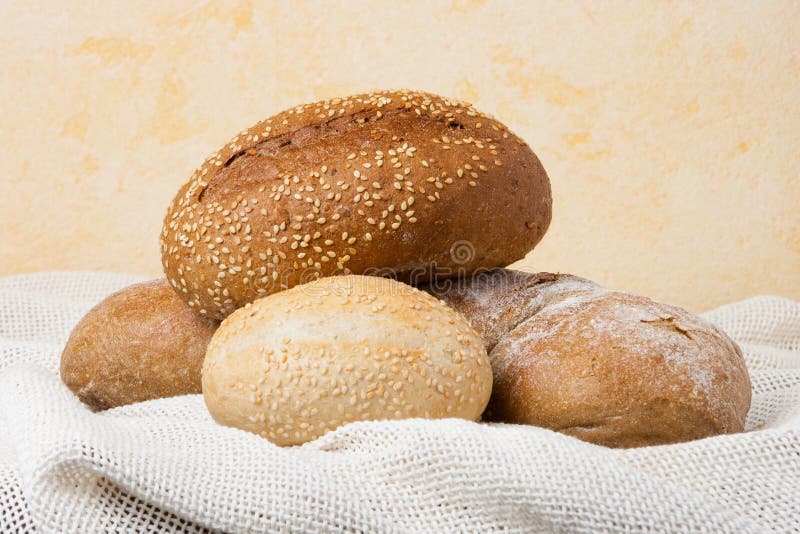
(399,180)
(298,363)
(138,344)
(605,366)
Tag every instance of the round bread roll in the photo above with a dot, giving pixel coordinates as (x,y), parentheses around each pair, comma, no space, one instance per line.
(607,367)
(402,181)
(138,344)
(298,363)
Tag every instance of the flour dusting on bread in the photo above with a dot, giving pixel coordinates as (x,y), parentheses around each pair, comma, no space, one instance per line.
(612,367)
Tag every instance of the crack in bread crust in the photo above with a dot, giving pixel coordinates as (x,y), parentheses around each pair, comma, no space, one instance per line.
(606,366)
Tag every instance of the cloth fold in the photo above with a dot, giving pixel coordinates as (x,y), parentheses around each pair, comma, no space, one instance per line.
(165,465)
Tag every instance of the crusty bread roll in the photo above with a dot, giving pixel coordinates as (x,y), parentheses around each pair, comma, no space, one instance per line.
(605,366)
(138,344)
(398,180)
(347,348)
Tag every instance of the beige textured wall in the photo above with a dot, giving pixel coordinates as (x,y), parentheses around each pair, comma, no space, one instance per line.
(670,130)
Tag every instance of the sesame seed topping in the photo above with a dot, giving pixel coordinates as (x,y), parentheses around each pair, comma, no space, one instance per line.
(225,234)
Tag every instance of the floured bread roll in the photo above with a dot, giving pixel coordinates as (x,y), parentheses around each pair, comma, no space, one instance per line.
(605,366)
(298,363)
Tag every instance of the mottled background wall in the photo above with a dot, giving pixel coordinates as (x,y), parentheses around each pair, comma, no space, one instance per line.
(671,130)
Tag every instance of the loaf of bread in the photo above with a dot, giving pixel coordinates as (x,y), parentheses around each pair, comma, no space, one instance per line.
(605,366)
(140,343)
(397,181)
(298,363)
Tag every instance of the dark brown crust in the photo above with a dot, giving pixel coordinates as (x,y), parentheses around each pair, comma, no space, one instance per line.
(403,181)
(138,344)
(605,366)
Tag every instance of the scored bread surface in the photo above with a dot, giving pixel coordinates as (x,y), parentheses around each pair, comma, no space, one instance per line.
(606,366)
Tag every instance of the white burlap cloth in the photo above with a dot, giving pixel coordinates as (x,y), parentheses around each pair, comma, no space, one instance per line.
(165,465)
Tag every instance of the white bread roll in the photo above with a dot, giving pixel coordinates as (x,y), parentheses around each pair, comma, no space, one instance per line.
(298,363)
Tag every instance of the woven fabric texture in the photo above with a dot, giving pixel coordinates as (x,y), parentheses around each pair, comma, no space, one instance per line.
(164,465)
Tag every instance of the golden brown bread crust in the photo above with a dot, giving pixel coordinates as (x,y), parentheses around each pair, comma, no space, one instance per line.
(391,180)
(605,366)
(298,363)
(138,344)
